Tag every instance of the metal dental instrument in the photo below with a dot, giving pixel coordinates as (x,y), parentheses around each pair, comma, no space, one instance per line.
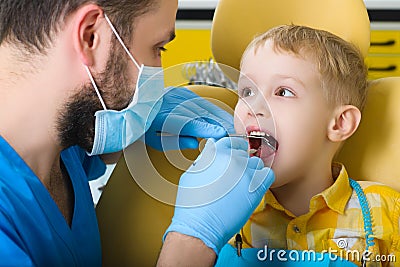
(267,139)
(238,244)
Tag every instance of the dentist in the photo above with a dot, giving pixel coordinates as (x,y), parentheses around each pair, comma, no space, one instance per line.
(73,75)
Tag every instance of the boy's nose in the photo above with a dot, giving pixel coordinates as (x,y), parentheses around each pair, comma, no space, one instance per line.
(259,108)
(251,113)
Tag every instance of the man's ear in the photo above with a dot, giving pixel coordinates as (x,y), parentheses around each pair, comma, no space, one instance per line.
(344,123)
(85,31)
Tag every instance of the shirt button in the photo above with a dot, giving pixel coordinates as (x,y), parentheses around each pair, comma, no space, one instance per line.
(296,229)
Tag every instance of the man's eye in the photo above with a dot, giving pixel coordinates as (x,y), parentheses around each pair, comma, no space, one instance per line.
(161,49)
(246,92)
(284,92)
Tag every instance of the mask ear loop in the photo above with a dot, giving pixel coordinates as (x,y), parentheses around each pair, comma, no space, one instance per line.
(95,87)
(120,41)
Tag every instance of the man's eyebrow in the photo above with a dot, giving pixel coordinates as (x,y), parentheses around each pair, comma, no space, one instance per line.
(172,35)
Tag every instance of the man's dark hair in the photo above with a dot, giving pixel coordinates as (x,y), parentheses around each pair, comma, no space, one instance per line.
(31,23)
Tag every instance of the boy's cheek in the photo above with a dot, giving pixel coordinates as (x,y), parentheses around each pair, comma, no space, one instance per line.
(236,125)
(239,123)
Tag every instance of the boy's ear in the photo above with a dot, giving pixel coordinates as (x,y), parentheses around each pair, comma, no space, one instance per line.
(344,123)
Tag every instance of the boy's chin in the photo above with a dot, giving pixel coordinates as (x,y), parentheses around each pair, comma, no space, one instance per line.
(276,184)
(268,160)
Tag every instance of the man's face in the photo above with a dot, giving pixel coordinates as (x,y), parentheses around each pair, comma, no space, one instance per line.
(292,88)
(152,31)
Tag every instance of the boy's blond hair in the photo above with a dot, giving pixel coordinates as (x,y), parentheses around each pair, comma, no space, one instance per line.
(340,63)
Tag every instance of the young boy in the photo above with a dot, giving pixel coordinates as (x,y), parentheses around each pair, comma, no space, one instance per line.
(315,85)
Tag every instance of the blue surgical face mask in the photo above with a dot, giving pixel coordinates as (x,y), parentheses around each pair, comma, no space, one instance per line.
(115,130)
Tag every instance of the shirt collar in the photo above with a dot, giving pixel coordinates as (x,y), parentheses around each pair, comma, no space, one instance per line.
(269,199)
(336,196)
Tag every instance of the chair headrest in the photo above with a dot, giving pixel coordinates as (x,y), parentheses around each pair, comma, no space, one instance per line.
(237,22)
(373,152)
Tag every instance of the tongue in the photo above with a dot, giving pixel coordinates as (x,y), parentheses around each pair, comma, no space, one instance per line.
(263,150)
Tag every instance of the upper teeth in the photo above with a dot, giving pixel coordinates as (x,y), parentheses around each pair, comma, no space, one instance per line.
(257,133)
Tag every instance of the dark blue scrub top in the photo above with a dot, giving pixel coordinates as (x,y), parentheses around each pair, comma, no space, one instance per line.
(33,232)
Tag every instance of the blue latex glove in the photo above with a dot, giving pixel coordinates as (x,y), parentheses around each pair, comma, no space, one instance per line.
(280,258)
(187,115)
(219,192)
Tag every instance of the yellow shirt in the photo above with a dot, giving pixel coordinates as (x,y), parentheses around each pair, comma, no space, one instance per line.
(334,223)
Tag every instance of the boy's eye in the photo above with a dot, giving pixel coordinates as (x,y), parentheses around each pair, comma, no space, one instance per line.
(282,91)
(246,92)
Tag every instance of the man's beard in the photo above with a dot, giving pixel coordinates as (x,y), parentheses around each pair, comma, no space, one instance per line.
(76,121)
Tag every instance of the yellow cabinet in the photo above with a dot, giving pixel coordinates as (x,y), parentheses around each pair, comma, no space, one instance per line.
(384,54)
(189,45)
(383,41)
(383,65)
(193,43)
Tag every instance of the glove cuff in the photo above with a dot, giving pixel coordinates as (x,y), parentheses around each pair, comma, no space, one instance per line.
(186,230)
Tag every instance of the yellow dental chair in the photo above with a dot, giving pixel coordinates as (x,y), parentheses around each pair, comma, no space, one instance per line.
(132,223)
(373,152)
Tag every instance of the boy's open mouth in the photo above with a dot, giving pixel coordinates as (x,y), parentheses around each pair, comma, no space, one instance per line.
(262,144)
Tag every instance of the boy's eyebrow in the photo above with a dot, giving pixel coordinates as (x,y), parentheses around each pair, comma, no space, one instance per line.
(291,78)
